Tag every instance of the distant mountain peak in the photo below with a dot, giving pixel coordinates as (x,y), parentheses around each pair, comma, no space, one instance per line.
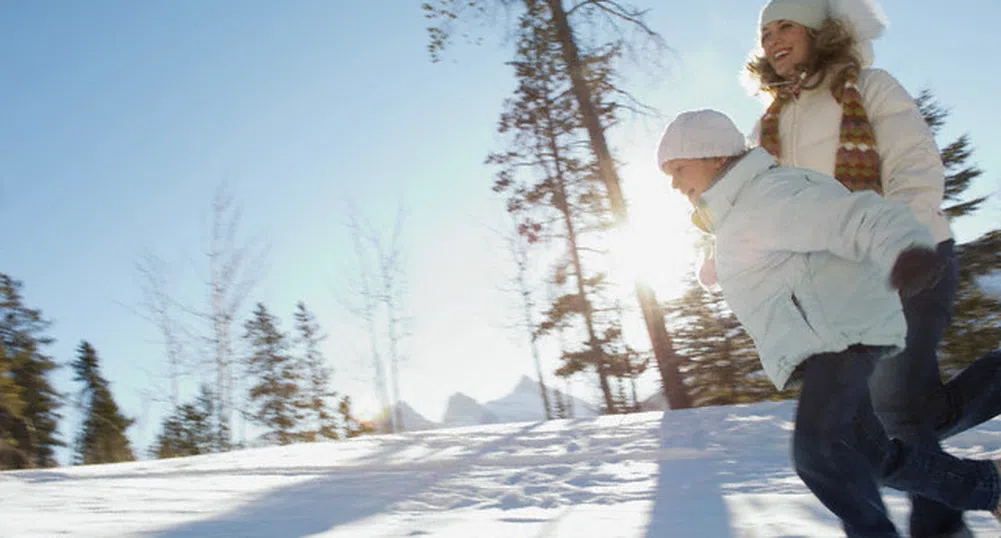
(462,410)
(526,384)
(412,420)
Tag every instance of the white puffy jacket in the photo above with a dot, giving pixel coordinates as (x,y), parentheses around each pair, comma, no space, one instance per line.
(804,263)
(910,163)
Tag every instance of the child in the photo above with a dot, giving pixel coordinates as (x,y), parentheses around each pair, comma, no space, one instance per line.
(810,269)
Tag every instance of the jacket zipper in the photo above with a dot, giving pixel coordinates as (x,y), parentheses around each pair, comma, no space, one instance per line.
(789,147)
(802,313)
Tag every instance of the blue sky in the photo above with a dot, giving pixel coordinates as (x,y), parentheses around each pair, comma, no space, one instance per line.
(121,118)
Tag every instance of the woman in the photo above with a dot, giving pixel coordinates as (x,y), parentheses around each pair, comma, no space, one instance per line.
(832,113)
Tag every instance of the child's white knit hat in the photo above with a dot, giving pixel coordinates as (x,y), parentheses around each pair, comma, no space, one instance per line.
(700,134)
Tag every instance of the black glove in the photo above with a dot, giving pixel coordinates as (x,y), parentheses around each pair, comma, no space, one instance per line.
(916,270)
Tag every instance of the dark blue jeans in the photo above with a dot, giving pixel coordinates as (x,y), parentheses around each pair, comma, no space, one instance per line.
(910,399)
(842,453)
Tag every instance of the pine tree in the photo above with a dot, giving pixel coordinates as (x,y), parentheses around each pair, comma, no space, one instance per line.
(958,175)
(550,180)
(102,436)
(577,31)
(22,334)
(560,406)
(352,426)
(275,378)
(976,323)
(720,365)
(10,394)
(15,437)
(189,430)
(316,392)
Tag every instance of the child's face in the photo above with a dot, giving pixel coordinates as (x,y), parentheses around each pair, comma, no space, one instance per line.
(692,177)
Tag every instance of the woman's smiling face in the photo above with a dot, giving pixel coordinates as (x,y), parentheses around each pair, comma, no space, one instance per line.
(786,45)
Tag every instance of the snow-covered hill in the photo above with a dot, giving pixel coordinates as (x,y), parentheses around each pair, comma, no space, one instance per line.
(720,472)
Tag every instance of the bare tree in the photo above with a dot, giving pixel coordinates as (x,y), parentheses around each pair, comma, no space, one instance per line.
(234,268)
(393,288)
(518,246)
(159,308)
(368,309)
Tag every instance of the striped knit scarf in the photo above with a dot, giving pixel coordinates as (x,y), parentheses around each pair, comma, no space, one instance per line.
(856,165)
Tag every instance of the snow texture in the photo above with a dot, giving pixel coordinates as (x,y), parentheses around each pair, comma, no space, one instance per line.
(716,472)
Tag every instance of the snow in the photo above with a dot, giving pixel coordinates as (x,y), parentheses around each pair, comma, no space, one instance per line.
(991,284)
(715,472)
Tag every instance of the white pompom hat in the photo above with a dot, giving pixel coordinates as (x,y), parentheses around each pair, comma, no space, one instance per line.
(863,17)
(700,134)
(809,13)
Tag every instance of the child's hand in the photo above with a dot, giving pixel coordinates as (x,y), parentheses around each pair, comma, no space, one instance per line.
(916,270)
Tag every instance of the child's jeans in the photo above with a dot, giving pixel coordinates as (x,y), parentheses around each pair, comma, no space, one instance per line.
(842,453)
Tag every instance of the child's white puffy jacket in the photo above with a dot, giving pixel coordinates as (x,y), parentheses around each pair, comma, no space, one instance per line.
(804,263)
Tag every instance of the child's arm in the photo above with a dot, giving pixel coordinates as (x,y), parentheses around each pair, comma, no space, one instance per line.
(812,212)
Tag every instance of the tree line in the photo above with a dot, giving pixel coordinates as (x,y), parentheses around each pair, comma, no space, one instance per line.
(290,396)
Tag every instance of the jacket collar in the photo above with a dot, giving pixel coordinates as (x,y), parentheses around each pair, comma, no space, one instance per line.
(714,205)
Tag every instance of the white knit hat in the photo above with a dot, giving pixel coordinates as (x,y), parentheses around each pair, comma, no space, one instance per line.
(700,134)
(863,17)
(809,13)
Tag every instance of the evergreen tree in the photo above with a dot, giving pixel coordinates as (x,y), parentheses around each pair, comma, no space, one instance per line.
(189,430)
(15,437)
(976,323)
(959,175)
(585,57)
(352,426)
(720,362)
(560,407)
(10,394)
(22,334)
(276,381)
(102,436)
(550,180)
(316,392)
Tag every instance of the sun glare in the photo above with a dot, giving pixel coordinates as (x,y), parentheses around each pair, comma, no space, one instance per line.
(657,247)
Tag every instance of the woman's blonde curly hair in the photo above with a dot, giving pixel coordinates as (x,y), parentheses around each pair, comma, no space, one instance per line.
(833,53)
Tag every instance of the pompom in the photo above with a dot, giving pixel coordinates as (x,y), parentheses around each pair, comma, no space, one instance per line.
(865,16)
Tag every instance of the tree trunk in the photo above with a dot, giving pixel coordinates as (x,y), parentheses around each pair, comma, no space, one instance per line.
(675,390)
(368,312)
(519,251)
(600,361)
